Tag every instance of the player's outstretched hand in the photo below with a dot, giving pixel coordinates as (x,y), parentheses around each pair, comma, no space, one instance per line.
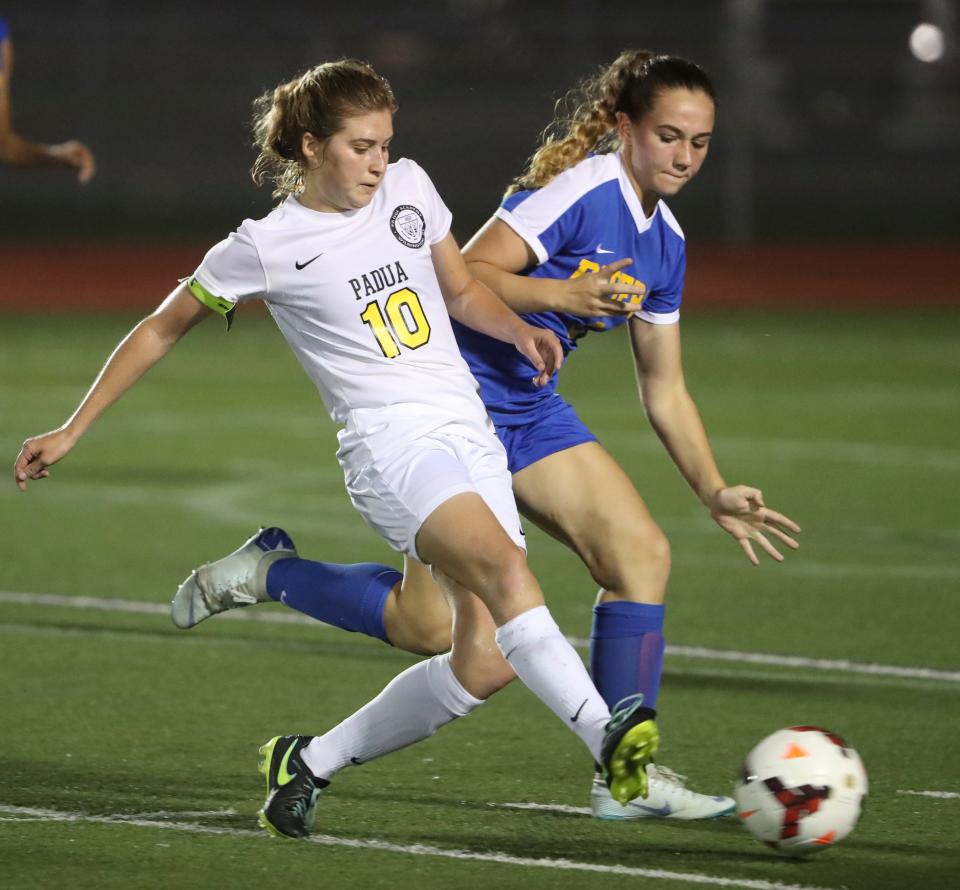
(77,155)
(594,293)
(542,348)
(38,453)
(741,512)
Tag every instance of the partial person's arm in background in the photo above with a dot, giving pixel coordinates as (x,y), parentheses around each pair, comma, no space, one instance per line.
(139,351)
(15,151)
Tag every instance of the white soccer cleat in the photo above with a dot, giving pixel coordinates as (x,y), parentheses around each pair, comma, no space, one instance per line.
(668,798)
(239,579)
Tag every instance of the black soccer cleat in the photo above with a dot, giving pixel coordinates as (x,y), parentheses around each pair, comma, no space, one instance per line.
(292,790)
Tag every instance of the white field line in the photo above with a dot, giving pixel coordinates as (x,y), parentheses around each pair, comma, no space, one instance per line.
(942,795)
(697,652)
(33,813)
(179,814)
(823,664)
(548,807)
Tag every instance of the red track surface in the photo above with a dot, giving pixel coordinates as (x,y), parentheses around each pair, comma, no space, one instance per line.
(135,277)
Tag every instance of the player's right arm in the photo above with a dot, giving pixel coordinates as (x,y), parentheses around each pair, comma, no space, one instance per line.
(497,256)
(139,351)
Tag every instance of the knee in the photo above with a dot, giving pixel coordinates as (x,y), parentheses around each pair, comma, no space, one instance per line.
(502,578)
(654,549)
(516,589)
(512,571)
(633,564)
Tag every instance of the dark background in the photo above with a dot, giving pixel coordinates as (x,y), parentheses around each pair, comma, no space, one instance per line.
(829,129)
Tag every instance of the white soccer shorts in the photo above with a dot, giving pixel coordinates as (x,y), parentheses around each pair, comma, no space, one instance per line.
(396,492)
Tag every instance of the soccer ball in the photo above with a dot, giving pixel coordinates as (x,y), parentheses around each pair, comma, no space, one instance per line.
(801,790)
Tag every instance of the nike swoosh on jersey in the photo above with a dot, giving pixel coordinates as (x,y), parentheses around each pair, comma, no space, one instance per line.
(308,262)
(602,249)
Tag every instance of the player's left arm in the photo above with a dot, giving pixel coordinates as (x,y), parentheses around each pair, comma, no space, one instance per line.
(16,151)
(473,304)
(739,509)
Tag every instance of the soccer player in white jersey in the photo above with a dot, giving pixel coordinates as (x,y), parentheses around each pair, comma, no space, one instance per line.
(359,269)
(583,243)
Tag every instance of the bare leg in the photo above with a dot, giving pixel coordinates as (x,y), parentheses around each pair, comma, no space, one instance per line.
(417,615)
(583,498)
(466,545)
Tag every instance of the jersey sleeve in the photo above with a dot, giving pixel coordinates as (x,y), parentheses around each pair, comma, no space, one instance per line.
(438,216)
(551,220)
(662,304)
(231,273)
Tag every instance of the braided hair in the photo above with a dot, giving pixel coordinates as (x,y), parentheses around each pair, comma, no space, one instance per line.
(586,118)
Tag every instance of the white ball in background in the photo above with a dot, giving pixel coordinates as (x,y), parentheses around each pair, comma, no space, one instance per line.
(927,42)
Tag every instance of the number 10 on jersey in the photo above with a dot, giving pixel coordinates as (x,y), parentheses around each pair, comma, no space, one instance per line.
(401,322)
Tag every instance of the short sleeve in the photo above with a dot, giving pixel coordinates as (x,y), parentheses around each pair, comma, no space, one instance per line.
(438,216)
(662,304)
(562,216)
(546,233)
(230,274)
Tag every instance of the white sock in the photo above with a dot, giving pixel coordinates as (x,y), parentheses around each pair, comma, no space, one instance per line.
(411,707)
(550,667)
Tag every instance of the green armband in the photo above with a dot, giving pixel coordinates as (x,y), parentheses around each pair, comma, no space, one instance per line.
(212,301)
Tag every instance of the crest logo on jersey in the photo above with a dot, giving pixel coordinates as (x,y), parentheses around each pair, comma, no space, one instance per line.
(408,226)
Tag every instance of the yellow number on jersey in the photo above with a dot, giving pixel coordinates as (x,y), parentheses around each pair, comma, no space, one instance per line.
(408,325)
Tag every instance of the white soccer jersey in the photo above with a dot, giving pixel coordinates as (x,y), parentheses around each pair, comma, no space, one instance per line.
(357,298)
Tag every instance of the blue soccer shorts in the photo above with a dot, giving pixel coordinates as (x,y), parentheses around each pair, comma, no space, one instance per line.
(542,431)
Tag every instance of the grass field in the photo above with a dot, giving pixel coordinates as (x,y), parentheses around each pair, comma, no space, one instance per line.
(128,748)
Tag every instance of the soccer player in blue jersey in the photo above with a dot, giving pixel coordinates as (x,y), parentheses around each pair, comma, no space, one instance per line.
(582,243)
(15,151)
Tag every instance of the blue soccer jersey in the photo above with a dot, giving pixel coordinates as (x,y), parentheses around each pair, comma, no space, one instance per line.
(587,217)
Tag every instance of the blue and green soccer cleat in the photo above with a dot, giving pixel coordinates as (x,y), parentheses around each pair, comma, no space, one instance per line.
(292,790)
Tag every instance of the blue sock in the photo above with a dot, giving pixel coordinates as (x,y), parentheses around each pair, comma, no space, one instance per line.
(349,596)
(626,650)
